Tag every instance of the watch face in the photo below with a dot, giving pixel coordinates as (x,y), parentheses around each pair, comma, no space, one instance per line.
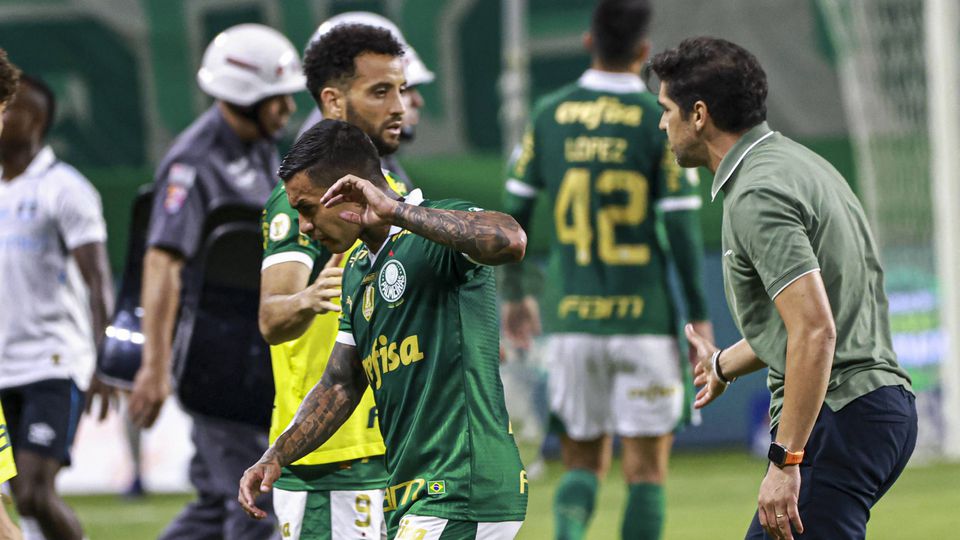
(777,454)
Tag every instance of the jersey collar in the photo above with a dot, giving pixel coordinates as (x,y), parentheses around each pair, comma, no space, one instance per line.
(616,83)
(44,159)
(415,197)
(740,149)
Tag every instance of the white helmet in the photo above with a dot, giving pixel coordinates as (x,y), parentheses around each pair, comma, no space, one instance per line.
(414,69)
(249,62)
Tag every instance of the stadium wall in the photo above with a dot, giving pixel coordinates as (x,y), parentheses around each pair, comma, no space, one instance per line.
(124,75)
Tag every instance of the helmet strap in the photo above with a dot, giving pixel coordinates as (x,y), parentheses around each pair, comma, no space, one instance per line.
(252,113)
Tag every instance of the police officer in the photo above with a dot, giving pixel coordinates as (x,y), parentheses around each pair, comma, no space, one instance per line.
(226,156)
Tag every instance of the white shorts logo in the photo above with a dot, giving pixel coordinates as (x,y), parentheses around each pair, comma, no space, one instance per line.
(393,281)
(41,434)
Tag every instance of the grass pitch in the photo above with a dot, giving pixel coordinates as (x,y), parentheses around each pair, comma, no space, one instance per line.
(710,495)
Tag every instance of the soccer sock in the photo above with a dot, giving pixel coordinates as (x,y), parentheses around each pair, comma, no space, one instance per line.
(30,529)
(573,504)
(646,507)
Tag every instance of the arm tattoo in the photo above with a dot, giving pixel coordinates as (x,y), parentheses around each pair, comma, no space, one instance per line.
(326,407)
(487,237)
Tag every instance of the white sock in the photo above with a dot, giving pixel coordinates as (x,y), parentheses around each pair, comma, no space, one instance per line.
(31,529)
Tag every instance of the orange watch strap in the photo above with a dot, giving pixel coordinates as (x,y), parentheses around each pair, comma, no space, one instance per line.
(793,458)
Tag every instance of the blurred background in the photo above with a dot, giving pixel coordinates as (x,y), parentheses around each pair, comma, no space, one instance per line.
(858,81)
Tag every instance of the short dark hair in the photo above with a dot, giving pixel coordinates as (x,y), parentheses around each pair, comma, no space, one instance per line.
(49,97)
(618,27)
(724,75)
(9,77)
(330,60)
(330,150)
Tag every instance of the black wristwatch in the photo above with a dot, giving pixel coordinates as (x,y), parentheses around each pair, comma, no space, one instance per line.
(781,457)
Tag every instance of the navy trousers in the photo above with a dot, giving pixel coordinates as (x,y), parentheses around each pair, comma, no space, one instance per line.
(852,458)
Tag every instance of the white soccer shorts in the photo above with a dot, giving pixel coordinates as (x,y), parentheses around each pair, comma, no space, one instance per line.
(414,527)
(629,385)
(340,515)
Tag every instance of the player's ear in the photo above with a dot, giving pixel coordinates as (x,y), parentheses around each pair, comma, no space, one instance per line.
(333,103)
(587,41)
(700,115)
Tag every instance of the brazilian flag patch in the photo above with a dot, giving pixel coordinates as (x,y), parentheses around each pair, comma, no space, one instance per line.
(436,487)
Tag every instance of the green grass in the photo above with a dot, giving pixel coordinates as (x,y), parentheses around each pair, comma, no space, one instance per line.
(713,495)
(710,495)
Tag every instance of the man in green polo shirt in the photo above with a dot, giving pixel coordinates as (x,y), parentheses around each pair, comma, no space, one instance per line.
(805,288)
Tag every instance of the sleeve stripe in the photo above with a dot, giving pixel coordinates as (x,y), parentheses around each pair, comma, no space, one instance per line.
(346,338)
(521,189)
(776,294)
(672,204)
(288,256)
(97,236)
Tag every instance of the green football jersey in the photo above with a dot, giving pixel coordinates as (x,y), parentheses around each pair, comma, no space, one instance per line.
(353,457)
(423,318)
(595,152)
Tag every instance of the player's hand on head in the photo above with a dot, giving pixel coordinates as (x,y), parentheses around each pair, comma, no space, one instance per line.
(107,395)
(256,480)
(521,322)
(150,389)
(326,288)
(376,207)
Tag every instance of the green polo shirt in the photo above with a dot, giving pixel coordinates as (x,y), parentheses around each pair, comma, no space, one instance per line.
(787,212)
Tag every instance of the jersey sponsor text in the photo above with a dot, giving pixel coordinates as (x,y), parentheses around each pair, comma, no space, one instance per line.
(603,110)
(387,357)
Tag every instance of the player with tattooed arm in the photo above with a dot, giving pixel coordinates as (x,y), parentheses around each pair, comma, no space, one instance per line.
(419,326)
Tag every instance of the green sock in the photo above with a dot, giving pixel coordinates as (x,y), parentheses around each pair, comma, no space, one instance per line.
(573,504)
(646,507)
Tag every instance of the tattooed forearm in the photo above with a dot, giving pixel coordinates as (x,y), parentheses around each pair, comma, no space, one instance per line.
(325,409)
(490,238)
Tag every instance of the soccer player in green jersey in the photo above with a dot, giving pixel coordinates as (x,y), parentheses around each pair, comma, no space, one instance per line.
(594,154)
(355,73)
(419,326)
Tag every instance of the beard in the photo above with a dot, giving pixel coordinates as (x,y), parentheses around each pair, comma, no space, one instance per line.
(384,148)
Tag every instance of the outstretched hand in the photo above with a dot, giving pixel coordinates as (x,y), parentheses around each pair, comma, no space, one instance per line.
(376,208)
(322,293)
(703,376)
(256,480)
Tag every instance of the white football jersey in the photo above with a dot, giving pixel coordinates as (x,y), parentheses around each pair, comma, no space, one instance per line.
(45,320)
